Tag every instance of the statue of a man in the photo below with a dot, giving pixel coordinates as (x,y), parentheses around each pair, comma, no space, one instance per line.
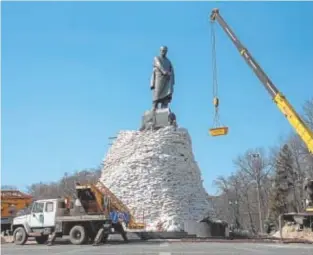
(162,80)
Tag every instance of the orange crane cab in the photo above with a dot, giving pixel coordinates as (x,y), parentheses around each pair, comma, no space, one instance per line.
(12,201)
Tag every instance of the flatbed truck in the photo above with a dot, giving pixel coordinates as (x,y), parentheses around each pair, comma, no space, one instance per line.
(59,217)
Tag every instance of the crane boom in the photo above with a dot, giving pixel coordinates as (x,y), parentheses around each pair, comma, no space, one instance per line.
(280,100)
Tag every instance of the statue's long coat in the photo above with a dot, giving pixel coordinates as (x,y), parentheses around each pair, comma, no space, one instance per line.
(163,85)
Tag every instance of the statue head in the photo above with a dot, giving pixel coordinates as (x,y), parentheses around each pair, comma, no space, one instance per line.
(163,51)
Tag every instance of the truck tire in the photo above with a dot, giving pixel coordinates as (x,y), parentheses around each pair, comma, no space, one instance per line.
(41,239)
(78,235)
(20,236)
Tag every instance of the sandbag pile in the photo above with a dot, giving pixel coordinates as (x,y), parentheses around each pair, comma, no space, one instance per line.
(154,173)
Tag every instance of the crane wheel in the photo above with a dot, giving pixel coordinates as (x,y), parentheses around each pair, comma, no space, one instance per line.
(20,236)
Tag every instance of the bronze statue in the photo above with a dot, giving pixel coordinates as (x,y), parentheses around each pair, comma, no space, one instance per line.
(162,80)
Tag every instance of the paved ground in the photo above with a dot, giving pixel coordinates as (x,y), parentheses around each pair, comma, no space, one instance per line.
(160,248)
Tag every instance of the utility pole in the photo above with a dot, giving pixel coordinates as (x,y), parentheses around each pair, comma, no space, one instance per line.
(257,170)
(234,205)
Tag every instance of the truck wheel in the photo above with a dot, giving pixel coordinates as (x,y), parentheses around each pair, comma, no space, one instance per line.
(20,236)
(41,239)
(78,235)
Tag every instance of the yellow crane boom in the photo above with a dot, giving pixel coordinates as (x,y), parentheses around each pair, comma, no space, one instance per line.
(280,100)
(102,193)
(117,204)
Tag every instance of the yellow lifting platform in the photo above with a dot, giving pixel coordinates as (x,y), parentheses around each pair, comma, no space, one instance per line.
(217,129)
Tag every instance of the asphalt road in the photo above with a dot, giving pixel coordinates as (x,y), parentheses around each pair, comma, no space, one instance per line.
(160,248)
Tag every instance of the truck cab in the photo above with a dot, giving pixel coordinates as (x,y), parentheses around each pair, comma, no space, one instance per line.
(42,215)
(39,221)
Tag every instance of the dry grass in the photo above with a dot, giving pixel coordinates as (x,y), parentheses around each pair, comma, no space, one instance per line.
(291,232)
(3,240)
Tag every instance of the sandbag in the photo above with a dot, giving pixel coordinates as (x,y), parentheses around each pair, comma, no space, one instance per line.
(155,174)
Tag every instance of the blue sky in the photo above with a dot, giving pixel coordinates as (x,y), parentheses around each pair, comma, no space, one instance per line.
(75,73)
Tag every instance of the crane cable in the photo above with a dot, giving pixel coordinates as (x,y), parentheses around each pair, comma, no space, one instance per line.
(216,120)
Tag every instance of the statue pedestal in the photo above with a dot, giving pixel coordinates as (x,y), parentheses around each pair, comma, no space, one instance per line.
(158,119)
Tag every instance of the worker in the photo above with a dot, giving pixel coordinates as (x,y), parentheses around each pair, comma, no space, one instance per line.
(52,238)
(101,236)
(78,203)
(78,208)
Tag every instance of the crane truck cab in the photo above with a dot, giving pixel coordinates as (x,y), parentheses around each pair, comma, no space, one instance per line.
(38,222)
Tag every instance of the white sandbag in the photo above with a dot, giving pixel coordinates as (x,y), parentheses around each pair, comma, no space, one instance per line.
(155,174)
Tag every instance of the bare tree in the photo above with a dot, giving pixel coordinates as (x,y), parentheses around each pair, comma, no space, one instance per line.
(308,112)
(8,187)
(253,184)
(235,203)
(222,184)
(65,186)
(221,201)
(256,165)
(247,201)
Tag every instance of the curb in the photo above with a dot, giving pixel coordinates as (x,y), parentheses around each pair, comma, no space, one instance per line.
(3,241)
(239,241)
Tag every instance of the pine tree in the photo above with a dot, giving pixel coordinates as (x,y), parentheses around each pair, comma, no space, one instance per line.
(283,184)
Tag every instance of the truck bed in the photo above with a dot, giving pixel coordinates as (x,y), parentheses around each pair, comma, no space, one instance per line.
(98,217)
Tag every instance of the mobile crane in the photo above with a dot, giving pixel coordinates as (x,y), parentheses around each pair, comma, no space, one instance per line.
(285,107)
(95,208)
(279,99)
(12,201)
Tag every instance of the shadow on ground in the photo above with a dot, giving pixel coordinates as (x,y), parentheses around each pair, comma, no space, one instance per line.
(110,242)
